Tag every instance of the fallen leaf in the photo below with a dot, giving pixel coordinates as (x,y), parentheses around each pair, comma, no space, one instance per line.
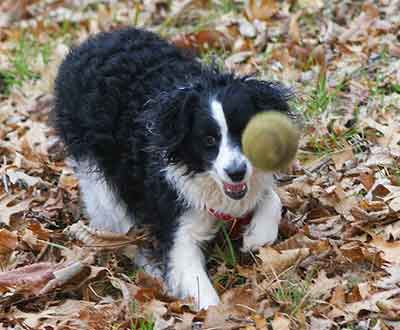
(389,309)
(391,250)
(277,261)
(360,25)
(8,241)
(320,324)
(370,304)
(394,204)
(323,286)
(100,239)
(294,30)
(247,29)
(341,157)
(8,210)
(202,40)
(392,280)
(262,9)
(16,176)
(280,322)
(12,11)
(392,231)
(29,279)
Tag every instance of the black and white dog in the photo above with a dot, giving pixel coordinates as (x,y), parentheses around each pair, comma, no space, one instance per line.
(156,138)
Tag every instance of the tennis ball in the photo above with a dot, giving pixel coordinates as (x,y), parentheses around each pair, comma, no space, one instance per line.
(270,141)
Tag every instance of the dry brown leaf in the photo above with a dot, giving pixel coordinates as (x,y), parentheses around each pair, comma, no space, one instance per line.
(64,274)
(29,279)
(237,58)
(202,40)
(322,287)
(216,318)
(310,5)
(394,50)
(394,204)
(359,252)
(8,241)
(391,250)
(12,11)
(370,304)
(156,308)
(367,180)
(368,214)
(262,9)
(182,8)
(294,30)
(247,29)
(392,231)
(99,239)
(360,25)
(17,176)
(72,315)
(389,309)
(261,322)
(296,241)
(277,261)
(320,324)
(341,157)
(327,227)
(67,180)
(9,206)
(239,300)
(34,142)
(280,322)
(392,280)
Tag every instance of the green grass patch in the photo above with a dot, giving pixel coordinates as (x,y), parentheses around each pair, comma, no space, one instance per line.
(320,98)
(224,252)
(214,57)
(290,295)
(21,59)
(144,325)
(226,6)
(332,142)
(292,292)
(228,280)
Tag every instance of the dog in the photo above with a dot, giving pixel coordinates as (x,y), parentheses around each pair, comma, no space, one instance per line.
(156,139)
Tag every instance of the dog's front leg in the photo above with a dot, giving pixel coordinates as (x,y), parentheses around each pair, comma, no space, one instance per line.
(187,276)
(264,226)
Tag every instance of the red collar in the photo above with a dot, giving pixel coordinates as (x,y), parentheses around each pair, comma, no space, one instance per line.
(237,224)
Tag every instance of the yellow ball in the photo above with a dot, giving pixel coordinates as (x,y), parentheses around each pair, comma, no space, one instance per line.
(270,141)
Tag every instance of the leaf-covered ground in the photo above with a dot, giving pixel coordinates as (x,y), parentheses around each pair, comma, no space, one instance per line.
(336,264)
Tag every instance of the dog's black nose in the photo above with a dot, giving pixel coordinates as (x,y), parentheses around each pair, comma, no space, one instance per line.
(236,172)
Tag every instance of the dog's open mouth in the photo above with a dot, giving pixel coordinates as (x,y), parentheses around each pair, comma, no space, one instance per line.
(235,191)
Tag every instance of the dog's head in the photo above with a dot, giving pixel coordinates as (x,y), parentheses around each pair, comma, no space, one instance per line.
(200,127)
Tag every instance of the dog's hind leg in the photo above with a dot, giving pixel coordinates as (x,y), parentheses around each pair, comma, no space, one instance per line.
(103,208)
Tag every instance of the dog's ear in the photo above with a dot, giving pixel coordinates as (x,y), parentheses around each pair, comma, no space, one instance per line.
(169,120)
(268,95)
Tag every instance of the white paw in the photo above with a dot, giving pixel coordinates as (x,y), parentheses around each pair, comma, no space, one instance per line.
(207,299)
(197,287)
(253,239)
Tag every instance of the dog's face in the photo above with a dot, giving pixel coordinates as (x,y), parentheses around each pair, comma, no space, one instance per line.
(216,143)
(204,130)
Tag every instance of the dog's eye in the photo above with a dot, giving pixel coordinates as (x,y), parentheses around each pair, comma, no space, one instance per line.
(210,141)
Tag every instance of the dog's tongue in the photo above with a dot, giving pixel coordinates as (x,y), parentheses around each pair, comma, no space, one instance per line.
(234,187)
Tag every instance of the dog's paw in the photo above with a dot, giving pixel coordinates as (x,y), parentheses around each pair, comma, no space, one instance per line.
(208,299)
(256,238)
